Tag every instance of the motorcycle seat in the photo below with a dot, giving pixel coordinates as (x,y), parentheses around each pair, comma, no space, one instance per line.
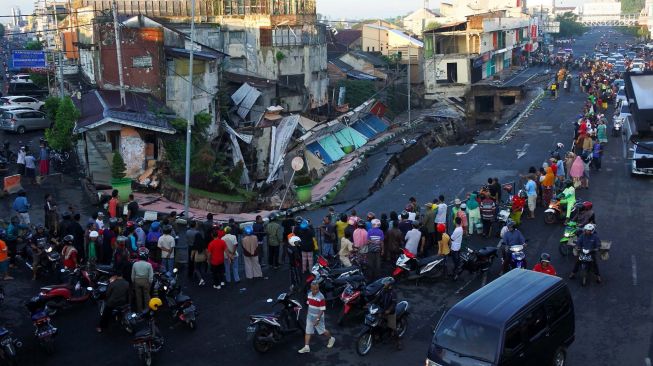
(143,333)
(487,251)
(424,261)
(181,298)
(105,268)
(350,279)
(52,287)
(373,288)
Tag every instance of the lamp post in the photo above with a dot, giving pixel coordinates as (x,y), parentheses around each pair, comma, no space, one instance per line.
(190,112)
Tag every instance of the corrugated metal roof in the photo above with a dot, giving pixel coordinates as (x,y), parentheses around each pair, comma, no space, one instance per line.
(245,97)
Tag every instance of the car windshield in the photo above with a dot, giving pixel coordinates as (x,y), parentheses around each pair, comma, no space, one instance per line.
(467,338)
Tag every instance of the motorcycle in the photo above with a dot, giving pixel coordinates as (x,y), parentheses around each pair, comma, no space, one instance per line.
(568,240)
(517,257)
(332,281)
(557,212)
(148,340)
(44,331)
(477,261)
(77,290)
(49,259)
(358,295)
(264,330)
(8,346)
(59,160)
(414,268)
(180,305)
(617,127)
(375,330)
(123,314)
(586,259)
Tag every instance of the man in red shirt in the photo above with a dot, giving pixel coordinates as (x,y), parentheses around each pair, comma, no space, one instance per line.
(215,251)
(113,204)
(69,253)
(545,265)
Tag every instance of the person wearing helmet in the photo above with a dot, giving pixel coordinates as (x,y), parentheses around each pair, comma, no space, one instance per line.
(545,266)
(307,235)
(510,236)
(375,248)
(568,197)
(387,302)
(251,253)
(315,318)
(142,275)
(294,255)
(588,240)
(69,253)
(518,205)
(166,245)
(586,215)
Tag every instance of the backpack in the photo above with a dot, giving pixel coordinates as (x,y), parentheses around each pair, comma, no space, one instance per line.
(487,210)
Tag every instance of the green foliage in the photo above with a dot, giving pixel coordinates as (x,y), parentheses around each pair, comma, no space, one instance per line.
(60,136)
(39,79)
(280,56)
(358,91)
(198,130)
(432,25)
(118,166)
(569,25)
(51,107)
(632,6)
(34,45)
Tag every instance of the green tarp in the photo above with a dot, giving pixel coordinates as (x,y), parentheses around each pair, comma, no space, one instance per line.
(350,137)
(332,147)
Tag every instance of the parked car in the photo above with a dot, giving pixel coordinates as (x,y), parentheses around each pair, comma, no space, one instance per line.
(26,89)
(521,318)
(23,101)
(642,163)
(20,78)
(24,120)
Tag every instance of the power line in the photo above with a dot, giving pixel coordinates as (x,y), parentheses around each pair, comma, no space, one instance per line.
(49,30)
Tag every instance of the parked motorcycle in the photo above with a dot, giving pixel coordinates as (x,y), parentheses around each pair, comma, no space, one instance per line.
(8,347)
(59,160)
(264,330)
(332,281)
(147,340)
(375,328)
(181,306)
(77,290)
(477,261)
(44,331)
(417,268)
(558,212)
(123,314)
(357,296)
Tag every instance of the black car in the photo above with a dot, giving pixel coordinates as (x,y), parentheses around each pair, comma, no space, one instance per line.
(27,89)
(521,318)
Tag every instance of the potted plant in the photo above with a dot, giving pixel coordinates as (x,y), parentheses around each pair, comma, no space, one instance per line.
(303,186)
(118,180)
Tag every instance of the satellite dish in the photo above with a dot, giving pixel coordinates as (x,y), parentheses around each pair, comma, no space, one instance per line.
(297,163)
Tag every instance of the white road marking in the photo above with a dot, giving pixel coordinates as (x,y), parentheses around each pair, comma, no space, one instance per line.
(466,152)
(647,361)
(521,152)
(634,267)
(465,285)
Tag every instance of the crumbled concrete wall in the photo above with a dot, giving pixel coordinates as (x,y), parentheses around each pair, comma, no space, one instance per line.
(132,149)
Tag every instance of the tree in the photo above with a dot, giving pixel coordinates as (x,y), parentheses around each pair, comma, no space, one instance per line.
(34,45)
(632,6)
(51,107)
(118,166)
(569,25)
(59,137)
(432,25)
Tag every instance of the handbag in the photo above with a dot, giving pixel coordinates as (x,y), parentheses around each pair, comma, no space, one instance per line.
(199,257)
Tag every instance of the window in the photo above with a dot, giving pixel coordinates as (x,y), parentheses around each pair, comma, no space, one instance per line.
(237,37)
(557,306)
(24,100)
(266,37)
(212,66)
(535,323)
(467,337)
(285,36)
(513,341)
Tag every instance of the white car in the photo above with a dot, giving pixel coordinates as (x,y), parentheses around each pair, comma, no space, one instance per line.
(642,158)
(20,78)
(21,101)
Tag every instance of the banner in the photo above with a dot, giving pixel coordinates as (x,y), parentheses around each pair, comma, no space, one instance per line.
(12,184)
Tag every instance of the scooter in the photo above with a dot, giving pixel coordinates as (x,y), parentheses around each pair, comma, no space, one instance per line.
(44,331)
(585,258)
(357,296)
(148,340)
(414,269)
(8,347)
(477,261)
(264,330)
(375,328)
(569,237)
(181,306)
(517,257)
(57,297)
(557,211)
(49,261)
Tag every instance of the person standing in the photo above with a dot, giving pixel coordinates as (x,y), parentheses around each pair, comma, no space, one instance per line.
(462,213)
(294,261)
(473,213)
(21,205)
(132,208)
(360,243)
(44,159)
(531,193)
(375,248)
(259,231)
(20,160)
(274,233)
(341,225)
(166,244)
(428,223)
(287,225)
(231,256)
(181,254)
(191,237)
(441,214)
(51,220)
(92,247)
(597,154)
(199,256)
(413,238)
(329,237)
(215,251)
(4,259)
(307,236)
(488,213)
(117,295)
(113,204)
(456,244)
(251,251)
(30,168)
(315,318)
(142,276)
(346,249)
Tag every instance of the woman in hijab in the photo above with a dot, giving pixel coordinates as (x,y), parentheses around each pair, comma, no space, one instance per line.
(547,183)
(577,170)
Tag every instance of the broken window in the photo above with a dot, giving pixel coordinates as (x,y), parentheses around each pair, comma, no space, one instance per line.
(286,36)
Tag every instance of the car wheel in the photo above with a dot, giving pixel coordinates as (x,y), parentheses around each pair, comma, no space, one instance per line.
(560,357)
(21,130)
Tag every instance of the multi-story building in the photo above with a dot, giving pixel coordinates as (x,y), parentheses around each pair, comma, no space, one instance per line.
(390,41)
(459,54)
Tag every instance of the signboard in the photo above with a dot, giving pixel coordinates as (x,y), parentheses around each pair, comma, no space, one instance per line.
(27,58)
(297,163)
(551,27)
(142,62)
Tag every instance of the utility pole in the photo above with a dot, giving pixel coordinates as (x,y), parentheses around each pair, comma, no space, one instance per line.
(61,88)
(191,117)
(114,8)
(409,117)
(56,25)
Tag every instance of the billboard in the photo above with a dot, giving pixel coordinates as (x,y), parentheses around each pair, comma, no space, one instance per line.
(27,58)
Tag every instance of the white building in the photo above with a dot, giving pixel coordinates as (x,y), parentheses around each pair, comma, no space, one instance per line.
(418,21)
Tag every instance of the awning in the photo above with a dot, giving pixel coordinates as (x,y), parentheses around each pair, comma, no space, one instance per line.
(350,137)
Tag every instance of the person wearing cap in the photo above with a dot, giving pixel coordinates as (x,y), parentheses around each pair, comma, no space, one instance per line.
(375,248)
(92,247)
(315,318)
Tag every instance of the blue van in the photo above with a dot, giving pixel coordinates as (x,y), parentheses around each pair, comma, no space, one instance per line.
(521,318)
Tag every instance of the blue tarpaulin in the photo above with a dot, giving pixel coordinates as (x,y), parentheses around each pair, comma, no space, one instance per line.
(350,137)
(318,150)
(370,126)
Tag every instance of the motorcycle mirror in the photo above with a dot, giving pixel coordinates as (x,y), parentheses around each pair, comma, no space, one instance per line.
(269,301)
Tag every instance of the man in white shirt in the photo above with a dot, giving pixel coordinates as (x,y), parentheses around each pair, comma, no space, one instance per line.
(441,214)
(456,243)
(166,244)
(413,238)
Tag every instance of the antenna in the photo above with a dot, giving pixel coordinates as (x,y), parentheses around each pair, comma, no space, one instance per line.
(426,4)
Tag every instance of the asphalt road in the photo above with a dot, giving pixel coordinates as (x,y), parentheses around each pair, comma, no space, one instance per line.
(613,320)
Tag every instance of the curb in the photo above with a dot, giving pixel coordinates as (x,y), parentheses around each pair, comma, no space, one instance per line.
(517,121)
